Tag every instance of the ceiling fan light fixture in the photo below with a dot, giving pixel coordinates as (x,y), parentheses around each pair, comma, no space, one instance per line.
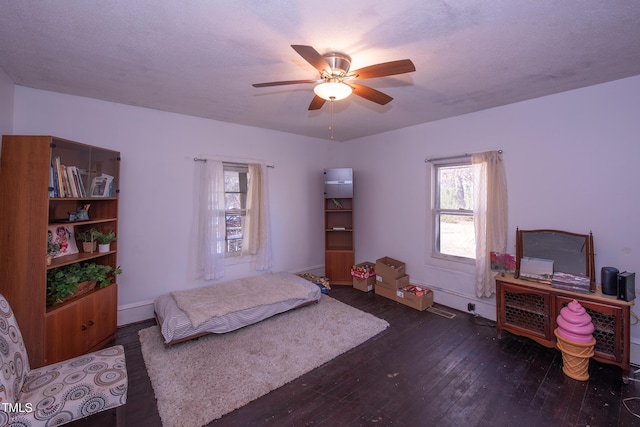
(332,91)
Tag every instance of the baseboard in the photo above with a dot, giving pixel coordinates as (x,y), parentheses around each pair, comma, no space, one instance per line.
(136,312)
(485,307)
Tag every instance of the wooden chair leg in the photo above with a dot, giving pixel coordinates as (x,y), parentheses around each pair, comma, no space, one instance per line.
(120,416)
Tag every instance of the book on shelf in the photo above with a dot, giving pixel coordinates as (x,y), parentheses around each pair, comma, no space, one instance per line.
(68,180)
(102,186)
(65,181)
(83,192)
(74,177)
(58,170)
(52,185)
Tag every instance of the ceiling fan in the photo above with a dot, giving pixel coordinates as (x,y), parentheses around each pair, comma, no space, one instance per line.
(336,82)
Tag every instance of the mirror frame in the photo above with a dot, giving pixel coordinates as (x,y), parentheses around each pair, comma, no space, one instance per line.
(589,253)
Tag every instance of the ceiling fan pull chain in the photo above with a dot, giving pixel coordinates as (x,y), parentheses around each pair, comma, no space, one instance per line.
(331,114)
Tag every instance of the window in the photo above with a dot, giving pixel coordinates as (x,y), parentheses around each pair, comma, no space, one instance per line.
(236,178)
(453,210)
(233,217)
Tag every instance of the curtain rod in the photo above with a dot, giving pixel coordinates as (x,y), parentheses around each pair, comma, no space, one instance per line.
(435,159)
(198,159)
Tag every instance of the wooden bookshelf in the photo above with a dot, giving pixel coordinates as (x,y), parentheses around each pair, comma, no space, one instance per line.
(28,207)
(338,229)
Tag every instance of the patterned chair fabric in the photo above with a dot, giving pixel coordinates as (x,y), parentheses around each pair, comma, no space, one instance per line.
(59,393)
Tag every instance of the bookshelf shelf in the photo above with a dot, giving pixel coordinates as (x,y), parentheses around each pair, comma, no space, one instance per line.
(79,257)
(80,223)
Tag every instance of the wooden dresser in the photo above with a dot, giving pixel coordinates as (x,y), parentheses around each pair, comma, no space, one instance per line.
(529,309)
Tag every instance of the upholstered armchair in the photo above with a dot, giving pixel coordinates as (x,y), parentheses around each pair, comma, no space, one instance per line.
(59,393)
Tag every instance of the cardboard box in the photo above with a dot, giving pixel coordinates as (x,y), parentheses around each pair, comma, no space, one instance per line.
(364,276)
(420,301)
(393,284)
(385,292)
(364,270)
(389,269)
(365,285)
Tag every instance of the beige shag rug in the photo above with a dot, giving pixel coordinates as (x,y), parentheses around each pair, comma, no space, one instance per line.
(199,381)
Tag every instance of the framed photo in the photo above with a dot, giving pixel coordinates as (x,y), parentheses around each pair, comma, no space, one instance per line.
(101,186)
(503,262)
(63,236)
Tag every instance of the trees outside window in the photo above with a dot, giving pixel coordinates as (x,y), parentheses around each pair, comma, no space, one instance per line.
(453,210)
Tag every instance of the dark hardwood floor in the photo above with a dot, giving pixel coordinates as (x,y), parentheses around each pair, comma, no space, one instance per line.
(424,370)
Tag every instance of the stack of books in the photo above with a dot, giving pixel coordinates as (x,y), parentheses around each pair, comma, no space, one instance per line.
(571,282)
(65,181)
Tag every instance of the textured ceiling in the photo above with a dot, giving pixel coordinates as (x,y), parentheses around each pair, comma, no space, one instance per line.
(201,57)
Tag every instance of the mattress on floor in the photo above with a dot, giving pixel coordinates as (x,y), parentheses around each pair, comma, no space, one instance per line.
(176,326)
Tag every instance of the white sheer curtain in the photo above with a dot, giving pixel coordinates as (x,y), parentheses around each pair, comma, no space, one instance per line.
(256,236)
(211,220)
(490,216)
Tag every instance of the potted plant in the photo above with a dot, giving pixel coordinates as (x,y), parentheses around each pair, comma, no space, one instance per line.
(104,240)
(72,280)
(52,250)
(101,274)
(88,239)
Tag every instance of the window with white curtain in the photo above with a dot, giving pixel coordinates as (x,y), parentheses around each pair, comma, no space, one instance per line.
(233,217)
(469,211)
(453,208)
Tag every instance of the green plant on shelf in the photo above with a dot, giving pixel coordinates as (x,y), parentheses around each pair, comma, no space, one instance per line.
(63,281)
(104,238)
(87,236)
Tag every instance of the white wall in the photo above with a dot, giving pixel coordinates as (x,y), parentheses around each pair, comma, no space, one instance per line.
(158,176)
(6,104)
(571,161)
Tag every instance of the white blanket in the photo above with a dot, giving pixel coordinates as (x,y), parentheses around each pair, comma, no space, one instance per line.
(201,304)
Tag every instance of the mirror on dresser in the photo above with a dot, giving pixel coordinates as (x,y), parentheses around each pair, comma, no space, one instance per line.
(570,252)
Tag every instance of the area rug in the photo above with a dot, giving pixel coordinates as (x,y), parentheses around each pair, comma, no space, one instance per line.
(198,381)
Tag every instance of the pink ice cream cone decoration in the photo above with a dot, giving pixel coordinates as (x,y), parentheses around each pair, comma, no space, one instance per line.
(574,324)
(575,340)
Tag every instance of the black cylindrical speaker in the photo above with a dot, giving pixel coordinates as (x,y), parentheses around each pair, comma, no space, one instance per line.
(609,280)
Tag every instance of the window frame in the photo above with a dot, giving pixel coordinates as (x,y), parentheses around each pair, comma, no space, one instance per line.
(240,168)
(436,211)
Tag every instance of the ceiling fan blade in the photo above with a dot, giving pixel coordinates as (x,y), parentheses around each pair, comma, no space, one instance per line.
(385,69)
(311,56)
(286,82)
(370,94)
(316,103)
